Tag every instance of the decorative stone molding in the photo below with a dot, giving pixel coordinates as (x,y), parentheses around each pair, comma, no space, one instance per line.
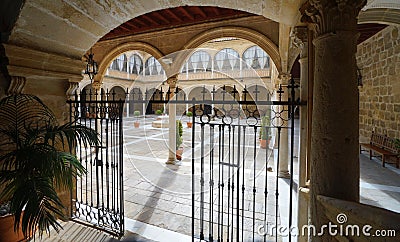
(16,85)
(328,16)
(73,86)
(33,63)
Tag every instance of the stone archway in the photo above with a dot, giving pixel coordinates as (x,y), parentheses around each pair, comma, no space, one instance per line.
(200,93)
(93,22)
(239,32)
(110,56)
(153,94)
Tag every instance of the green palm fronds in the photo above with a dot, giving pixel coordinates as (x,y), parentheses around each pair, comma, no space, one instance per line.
(37,158)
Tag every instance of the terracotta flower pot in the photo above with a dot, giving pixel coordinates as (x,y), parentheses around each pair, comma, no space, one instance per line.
(136,124)
(179,154)
(189,124)
(264,143)
(7,233)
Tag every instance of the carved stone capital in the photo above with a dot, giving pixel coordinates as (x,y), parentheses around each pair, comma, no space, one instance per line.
(96,85)
(172,81)
(328,16)
(299,36)
(284,78)
(16,85)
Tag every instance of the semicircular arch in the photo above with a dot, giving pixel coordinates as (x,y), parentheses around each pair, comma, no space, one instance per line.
(118,50)
(238,32)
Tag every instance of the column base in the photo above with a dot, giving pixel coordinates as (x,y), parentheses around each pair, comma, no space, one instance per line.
(284,174)
(173,162)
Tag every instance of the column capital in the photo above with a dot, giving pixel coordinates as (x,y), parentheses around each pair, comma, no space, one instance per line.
(284,78)
(172,80)
(16,85)
(96,85)
(299,36)
(328,16)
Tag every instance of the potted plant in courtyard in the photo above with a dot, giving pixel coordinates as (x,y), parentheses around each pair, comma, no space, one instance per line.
(158,112)
(136,123)
(190,115)
(36,160)
(265,132)
(179,140)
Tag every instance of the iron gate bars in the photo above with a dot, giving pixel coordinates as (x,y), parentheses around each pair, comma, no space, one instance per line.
(234,194)
(98,198)
(233,191)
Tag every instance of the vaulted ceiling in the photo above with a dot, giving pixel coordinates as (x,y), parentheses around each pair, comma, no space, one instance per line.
(173,17)
(189,15)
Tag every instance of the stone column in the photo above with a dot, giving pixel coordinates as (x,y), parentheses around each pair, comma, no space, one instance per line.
(283,171)
(172,122)
(301,41)
(334,167)
(127,104)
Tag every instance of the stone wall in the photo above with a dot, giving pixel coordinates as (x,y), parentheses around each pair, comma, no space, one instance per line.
(379,61)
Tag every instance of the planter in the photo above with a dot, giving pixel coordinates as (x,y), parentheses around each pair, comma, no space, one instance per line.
(179,154)
(264,143)
(136,124)
(7,230)
(189,124)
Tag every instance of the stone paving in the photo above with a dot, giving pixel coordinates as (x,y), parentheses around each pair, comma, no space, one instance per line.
(160,194)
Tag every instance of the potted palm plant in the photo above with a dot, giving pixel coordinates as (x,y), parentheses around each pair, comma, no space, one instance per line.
(189,123)
(136,114)
(265,132)
(179,140)
(36,159)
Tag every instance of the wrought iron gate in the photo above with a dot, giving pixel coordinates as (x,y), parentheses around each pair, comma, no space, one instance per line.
(235,192)
(98,198)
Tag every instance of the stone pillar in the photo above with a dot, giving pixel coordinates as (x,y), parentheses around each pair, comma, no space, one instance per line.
(127,104)
(334,157)
(283,171)
(172,122)
(301,41)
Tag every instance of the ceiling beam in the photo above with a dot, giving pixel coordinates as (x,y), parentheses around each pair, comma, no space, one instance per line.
(202,13)
(141,22)
(125,28)
(215,10)
(158,15)
(173,15)
(150,20)
(131,25)
(183,10)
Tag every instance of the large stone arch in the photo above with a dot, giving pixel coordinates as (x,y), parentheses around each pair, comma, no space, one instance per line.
(110,56)
(91,20)
(234,31)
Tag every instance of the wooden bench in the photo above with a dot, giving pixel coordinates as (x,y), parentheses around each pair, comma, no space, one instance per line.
(383,145)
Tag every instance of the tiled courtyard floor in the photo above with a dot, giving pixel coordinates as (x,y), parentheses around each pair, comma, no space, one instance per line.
(159,194)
